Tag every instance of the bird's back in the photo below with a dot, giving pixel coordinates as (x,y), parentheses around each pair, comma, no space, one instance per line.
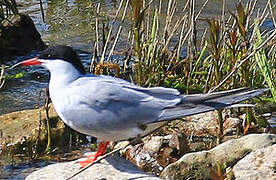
(107,107)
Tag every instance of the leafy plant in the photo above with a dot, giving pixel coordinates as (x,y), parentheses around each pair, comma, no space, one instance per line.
(263,62)
(224,59)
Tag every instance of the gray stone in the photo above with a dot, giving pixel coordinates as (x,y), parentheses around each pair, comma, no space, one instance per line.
(156,152)
(24,129)
(23,126)
(259,164)
(200,164)
(154,144)
(205,124)
(113,167)
(19,36)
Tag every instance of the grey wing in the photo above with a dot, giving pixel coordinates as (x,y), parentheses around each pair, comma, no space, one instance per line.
(115,104)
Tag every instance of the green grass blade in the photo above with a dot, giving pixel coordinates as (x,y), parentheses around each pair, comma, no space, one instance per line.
(263,62)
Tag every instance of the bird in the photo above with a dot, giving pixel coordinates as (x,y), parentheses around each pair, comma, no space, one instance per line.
(113,109)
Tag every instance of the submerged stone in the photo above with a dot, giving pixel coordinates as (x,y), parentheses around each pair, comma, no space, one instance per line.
(19,36)
(25,132)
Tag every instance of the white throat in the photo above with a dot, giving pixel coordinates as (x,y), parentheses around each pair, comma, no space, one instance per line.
(62,74)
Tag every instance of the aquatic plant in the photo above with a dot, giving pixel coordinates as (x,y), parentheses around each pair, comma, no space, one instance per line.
(262,59)
(227,56)
(220,173)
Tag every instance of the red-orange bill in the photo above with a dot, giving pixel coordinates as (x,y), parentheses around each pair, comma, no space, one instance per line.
(28,62)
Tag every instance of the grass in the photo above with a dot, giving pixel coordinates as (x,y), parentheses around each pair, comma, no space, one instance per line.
(263,62)
(233,52)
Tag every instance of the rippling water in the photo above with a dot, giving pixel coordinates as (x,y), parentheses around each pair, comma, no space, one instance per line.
(71,22)
(20,171)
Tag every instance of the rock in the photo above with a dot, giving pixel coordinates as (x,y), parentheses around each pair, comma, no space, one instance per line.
(200,125)
(22,131)
(156,152)
(230,125)
(199,165)
(259,164)
(154,144)
(205,124)
(22,124)
(145,158)
(179,142)
(112,167)
(19,36)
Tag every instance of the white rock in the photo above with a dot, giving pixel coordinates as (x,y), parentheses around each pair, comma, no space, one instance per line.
(259,164)
(111,168)
(154,144)
(199,165)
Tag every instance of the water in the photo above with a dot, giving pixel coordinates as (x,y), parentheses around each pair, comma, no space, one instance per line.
(66,22)
(20,171)
(29,91)
(70,22)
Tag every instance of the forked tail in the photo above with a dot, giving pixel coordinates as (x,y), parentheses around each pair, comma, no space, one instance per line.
(199,103)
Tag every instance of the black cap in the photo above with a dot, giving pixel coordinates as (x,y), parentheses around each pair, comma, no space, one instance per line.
(65,53)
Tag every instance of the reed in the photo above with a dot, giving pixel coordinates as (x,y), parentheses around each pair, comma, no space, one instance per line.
(233,51)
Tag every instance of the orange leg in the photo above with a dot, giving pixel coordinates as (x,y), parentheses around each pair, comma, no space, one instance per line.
(101,150)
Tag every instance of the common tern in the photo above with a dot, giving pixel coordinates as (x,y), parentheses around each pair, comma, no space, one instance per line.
(112,109)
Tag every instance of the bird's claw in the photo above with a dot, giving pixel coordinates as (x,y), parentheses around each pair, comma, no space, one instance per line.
(87,161)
